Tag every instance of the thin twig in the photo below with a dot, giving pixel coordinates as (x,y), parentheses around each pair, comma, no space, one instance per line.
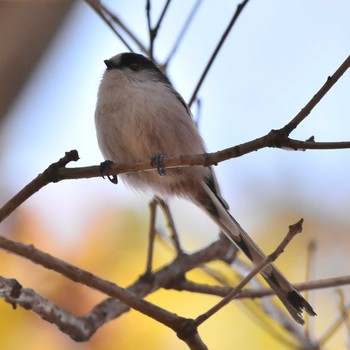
(125,29)
(331,80)
(98,8)
(151,236)
(334,327)
(309,285)
(309,268)
(154,31)
(171,224)
(293,231)
(311,145)
(343,309)
(240,8)
(43,179)
(253,293)
(150,31)
(182,33)
(161,17)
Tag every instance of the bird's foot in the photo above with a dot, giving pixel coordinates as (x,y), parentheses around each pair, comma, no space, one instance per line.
(104,167)
(157,162)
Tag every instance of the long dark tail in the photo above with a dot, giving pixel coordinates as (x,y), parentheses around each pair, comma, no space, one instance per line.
(289,296)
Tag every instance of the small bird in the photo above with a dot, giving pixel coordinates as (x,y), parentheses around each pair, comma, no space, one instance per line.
(140,116)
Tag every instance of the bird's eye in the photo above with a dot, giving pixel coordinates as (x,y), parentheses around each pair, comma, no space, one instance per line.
(134,67)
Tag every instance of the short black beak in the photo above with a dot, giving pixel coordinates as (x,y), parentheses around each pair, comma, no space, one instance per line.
(109,64)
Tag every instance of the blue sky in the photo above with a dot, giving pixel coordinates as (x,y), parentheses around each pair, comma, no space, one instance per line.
(275,59)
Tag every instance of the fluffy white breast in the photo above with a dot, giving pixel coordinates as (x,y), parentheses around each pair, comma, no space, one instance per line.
(137,119)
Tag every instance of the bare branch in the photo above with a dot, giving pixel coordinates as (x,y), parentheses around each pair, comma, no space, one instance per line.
(311,145)
(171,225)
(154,31)
(82,276)
(60,173)
(309,269)
(98,8)
(309,285)
(344,314)
(293,231)
(149,25)
(161,17)
(331,80)
(49,175)
(182,33)
(12,292)
(169,277)
(151,236)
(240,8)
(275,138)
(108,17)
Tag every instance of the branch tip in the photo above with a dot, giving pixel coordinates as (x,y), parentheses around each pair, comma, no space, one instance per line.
(297,227)
(51,171)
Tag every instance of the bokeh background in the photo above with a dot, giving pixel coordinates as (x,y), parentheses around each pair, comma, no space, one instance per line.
(275,59)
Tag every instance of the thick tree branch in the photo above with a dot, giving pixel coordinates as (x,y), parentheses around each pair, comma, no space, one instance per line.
(82,276)
(58,173)
(170,276)
(185,328)
(275,138)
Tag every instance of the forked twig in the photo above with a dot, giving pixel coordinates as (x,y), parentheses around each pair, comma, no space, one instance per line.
(154,31)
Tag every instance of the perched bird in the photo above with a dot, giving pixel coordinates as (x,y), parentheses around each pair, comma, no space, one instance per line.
(140,116)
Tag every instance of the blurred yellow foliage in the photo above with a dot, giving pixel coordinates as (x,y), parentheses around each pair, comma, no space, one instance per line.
(114,248)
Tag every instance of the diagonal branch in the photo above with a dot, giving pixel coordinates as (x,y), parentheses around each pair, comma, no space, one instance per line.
(102,11)
(331,80)
(293,231)
(182,326)
(240,8)
(154,31)
(82,328)
(182,33)
(43,179)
